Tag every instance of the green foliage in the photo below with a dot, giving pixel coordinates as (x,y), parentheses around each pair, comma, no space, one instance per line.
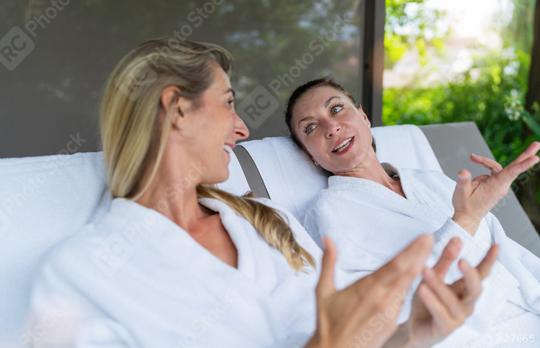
(411,24)
(490,94)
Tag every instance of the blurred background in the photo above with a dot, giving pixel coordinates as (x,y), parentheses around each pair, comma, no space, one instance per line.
(419,62)
(460,60)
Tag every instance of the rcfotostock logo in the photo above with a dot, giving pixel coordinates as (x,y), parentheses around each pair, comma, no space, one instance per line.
(262,102)
(257,106)
(17,43)
(14,47)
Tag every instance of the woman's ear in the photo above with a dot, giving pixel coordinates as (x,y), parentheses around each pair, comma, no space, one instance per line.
(364,115)
(173,104)
(169,98)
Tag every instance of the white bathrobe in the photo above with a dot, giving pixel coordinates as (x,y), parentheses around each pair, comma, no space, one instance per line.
(370,223)
(136,279)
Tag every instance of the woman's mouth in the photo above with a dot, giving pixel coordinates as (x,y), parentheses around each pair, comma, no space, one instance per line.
(344,146)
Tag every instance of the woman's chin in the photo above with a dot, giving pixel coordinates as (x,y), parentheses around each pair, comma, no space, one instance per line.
(217,178)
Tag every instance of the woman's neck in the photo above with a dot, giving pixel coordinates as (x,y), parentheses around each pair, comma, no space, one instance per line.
(372,169)
(175,196)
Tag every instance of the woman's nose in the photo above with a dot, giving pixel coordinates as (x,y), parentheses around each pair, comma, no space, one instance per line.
(332,130)
(241,131)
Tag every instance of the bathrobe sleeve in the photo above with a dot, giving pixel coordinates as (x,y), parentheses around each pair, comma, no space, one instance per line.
(61,317)
(523,264)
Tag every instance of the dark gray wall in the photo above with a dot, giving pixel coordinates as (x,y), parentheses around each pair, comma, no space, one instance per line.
(55,56)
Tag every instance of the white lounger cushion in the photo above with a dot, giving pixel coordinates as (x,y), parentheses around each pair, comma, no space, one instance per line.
(292,180)
(45,200)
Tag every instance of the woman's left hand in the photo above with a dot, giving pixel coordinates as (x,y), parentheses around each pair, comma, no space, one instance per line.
(474,198)
(437,308)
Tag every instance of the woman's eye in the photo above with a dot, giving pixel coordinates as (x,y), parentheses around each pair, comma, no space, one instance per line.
(309,128)
(336,108)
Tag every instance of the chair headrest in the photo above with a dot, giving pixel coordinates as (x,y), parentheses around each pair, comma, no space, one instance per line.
(293,181)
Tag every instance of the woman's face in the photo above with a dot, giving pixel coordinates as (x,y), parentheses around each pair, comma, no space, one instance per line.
(334,132)
(210,129)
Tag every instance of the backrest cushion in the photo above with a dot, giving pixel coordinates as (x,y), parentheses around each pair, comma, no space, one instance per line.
(45,200)
(293,181)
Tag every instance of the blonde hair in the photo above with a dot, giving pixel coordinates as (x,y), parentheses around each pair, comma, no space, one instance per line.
(134,140)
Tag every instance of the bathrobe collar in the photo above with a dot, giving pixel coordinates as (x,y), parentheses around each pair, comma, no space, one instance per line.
(348,182)
(236,226)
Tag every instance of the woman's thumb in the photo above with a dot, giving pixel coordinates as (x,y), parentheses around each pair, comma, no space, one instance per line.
(464,183)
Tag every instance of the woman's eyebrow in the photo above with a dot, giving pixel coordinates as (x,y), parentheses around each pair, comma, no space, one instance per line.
(304,119)
(230,90)
(327,102)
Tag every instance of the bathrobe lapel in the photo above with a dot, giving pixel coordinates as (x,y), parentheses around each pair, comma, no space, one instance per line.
(203,301)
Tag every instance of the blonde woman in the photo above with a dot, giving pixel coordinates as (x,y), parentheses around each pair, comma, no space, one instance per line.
(179,263)
(371,210)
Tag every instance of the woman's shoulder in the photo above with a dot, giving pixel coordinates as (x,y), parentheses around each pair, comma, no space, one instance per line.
(75,253)
(89,250)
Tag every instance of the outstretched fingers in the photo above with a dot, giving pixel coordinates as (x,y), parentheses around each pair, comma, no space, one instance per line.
(435,307)
(407,264)
(485,266)
(523,162)
(472,282)
(529,152)
(444,293)
(449,255)
(489,163)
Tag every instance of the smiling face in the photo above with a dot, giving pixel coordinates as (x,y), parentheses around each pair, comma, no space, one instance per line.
(210,128)
(332,130)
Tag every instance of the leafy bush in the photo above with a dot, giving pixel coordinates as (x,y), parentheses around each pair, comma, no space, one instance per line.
(490,94)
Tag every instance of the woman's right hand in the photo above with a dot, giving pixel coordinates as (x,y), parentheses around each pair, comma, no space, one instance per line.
(474,198)
(364,314)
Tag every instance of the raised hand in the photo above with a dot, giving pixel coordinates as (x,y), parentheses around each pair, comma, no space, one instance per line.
(474,198)
(439,309)
(364,314)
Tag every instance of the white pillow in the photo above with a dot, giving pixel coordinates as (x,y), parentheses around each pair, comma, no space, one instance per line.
(293,181)
(45,200)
